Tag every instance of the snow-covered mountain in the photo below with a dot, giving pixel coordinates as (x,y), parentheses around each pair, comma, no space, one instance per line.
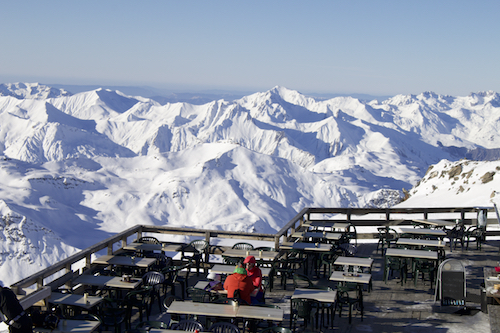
(99,161)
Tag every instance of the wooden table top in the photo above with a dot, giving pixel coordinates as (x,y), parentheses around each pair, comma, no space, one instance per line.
(325,235)
(74,300)
(124,261)
(259,255)
(320,247)
(433,255)
(71,326)
(439,223)
(421,242)
(354,261)
(423,231)
(107,281)
(339,276)
(225,310)
(320,295)
(153,247)
(326,224)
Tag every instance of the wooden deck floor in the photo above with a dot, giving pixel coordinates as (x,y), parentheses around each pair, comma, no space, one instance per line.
(394,308)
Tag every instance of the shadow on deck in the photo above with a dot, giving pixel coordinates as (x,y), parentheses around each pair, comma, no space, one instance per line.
(393,307)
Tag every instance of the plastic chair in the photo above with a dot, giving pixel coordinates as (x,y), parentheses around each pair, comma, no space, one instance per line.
(326,260)
(302,281)
(477,234)
(174,318)
(199,246)
(162,261)
(349,250)
(424,266)
(199,295)
(232,260)
(223,327)
(112,315)
(386,237)
(456,235)
(393,264)
(149,240)
(343,298)
(351,233)
(173,276)
(189,325)
(301,309)
(153,281)
(137,299)
(243,246)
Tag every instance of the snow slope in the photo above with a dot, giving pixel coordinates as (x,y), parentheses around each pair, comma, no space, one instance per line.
(77,168)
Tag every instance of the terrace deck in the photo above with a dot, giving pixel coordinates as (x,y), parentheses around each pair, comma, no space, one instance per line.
(394,308)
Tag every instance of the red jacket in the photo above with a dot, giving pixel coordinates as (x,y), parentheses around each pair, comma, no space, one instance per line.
(243,283)
(256,275)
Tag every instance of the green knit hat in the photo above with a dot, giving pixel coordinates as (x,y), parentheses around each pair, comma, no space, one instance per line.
(240,270)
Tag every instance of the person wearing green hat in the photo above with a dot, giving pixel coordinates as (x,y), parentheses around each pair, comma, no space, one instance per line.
(239,281)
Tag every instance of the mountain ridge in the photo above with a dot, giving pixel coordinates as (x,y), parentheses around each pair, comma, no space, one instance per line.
(100,161)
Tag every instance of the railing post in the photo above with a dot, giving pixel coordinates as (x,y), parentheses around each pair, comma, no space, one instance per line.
(88,260)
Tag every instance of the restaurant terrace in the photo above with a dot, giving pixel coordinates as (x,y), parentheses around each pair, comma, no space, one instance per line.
(326,270)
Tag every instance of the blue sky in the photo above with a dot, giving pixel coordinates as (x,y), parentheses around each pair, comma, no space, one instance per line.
(371,47)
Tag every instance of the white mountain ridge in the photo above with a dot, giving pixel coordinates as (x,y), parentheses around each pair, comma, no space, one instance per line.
(97,162)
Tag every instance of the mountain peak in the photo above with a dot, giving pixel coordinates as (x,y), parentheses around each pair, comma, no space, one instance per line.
(21,90)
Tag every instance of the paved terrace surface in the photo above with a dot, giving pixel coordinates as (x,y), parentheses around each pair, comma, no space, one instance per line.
(394,308)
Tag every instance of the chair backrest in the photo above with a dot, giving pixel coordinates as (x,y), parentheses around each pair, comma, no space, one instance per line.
(223,327)
(199,295)
(302,281)
(243,246)
(149,240)
(302,307)
(153,278)
(188,325)
(200,244)
(264,248)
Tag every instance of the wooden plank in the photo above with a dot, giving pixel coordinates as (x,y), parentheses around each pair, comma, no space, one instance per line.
(36,296)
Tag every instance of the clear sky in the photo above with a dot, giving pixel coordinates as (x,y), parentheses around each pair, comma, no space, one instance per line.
(373,47)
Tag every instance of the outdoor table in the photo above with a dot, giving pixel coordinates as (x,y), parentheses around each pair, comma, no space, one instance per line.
(421,242)
(225,310)
(314,247)
(335,236)
(71,326)
(320,295)
(229,269)
(259,255)
(153,247)
(354,261)
(360,278)
(432,255)
(306,248)
(107,281)
(74,300)
(326,224)
(436,223)
(424,232)
(124,261)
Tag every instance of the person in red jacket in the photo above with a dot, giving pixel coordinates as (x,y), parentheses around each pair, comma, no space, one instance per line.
(16,318)
(239,281)
(255,274)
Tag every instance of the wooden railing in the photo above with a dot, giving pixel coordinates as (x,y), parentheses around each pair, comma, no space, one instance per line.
(62,272)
